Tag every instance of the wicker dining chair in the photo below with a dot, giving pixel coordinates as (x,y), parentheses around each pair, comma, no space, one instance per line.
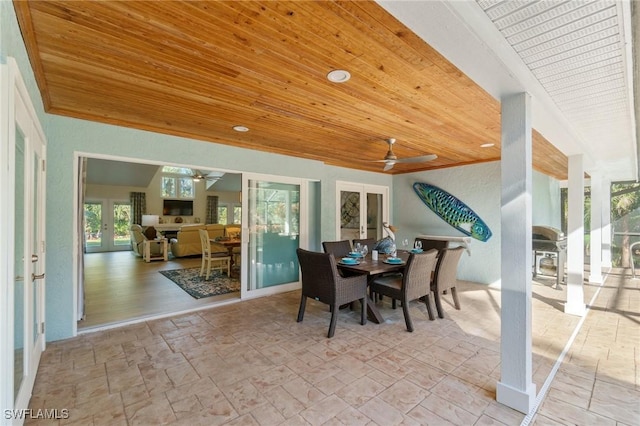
(337,248)
(445,278)
(412,285)
(322,282)
(369,242)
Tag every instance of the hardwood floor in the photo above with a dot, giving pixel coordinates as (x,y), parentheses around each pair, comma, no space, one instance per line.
(120,287)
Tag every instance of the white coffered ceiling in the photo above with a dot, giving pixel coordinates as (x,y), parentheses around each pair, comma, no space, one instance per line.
(574,57)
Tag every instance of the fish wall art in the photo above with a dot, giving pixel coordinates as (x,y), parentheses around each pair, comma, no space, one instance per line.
(453,211)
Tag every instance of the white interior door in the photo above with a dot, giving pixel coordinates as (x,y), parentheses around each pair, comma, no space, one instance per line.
(361,210)
(23,338)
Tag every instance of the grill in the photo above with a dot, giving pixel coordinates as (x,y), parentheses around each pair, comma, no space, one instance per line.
(549,252)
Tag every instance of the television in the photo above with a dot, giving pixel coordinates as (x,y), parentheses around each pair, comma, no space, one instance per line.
(177,208)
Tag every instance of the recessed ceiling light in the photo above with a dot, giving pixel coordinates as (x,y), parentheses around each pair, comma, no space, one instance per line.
(240,128)
(338,76)
(487,145)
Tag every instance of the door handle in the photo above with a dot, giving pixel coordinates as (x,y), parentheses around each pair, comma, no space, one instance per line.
(19,278)
(37,277)
(34,258)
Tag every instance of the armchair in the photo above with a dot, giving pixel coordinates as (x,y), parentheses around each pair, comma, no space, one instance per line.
(138,238)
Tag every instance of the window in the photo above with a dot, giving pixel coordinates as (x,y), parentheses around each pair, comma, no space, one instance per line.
(177,182)
(224,211)
(222,215)
(237,215)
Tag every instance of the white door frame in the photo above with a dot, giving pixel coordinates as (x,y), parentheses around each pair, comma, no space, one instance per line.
(303,240)
(16,109)
(363,189)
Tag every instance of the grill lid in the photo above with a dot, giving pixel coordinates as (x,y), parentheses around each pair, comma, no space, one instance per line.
(547,233)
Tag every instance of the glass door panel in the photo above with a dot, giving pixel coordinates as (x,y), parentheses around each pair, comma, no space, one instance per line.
(274,224)
(350,224)
(21,272)
(374,216)
(93,241)
(121,223)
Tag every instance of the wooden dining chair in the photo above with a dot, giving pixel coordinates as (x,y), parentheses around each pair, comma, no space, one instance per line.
(412,285)
(337,248)
(322,282)
(444,279)
(212,258)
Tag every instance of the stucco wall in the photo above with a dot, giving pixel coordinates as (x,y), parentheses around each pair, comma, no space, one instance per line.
(478,186)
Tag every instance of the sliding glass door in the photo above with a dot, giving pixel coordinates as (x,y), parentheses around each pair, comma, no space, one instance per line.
(275,221)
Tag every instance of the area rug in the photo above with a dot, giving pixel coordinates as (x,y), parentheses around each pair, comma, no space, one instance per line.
(190,281)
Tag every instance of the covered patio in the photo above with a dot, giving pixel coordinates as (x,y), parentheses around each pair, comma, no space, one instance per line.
(251,363)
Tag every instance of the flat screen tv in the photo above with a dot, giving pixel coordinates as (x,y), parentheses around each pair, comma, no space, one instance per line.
(177,208)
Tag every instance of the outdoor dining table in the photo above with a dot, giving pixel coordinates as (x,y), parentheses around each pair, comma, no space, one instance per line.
(373,268)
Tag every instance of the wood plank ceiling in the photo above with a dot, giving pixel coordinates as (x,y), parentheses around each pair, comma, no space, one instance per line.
(196,69)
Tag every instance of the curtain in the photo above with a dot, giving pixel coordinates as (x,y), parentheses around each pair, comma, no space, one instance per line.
(138,206)
(82,177)
(212,209)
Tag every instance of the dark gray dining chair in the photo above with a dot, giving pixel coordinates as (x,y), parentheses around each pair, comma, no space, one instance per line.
(322,282)
(412,285)
(431,244)
(369,242)
(337,248)
(444,279)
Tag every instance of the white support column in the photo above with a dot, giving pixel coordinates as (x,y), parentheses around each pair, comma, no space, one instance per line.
(516,388)
(595,239)
(575,239)
(606,223)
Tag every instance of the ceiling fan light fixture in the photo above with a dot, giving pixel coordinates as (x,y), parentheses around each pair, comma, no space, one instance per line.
(338,76)
(241,129)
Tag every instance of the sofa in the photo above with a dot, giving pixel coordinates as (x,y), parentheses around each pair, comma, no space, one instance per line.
(187,242)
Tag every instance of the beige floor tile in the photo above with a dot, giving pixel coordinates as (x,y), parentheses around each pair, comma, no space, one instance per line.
(381,413)
(403,395)
(323,410)
(616,402)
(251,363)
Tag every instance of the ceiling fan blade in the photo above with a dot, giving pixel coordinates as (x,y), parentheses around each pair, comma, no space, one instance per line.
(388,166)
(420,159)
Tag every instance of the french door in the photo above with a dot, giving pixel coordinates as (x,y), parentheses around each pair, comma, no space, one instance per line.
(23,338)
(361,210)
(276,220)
(106,225)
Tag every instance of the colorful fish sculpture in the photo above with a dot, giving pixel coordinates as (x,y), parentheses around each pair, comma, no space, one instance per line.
(453,211)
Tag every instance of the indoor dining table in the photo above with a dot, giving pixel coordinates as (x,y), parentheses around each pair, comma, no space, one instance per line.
(373,268)
(229,244)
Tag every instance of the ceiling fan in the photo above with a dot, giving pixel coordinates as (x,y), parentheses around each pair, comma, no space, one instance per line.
(211,176)
(391,159)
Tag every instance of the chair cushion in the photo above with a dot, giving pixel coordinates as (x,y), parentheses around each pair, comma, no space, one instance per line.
(150,233)
(392,281)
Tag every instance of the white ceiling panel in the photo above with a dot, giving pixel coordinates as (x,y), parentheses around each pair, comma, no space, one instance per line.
(576,51)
